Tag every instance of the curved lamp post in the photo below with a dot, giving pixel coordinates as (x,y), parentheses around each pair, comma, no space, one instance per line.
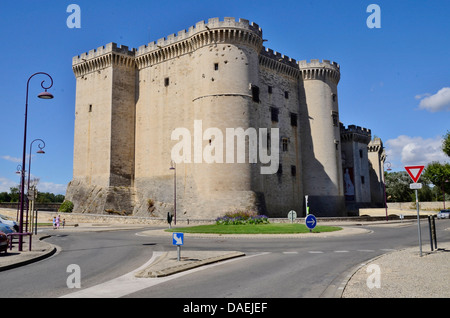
(43,95)
(384,183)
(173,167)
(40,151)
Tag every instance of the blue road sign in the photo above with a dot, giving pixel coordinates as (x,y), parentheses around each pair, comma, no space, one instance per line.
(310,221)
(178,238)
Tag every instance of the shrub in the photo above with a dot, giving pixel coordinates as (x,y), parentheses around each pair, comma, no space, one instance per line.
(239,217)
(66,206)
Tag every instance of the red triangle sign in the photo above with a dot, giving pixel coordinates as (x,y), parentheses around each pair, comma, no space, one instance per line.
(414,172)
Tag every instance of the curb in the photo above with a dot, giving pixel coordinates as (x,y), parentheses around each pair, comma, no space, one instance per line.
(150,272)
(49,252)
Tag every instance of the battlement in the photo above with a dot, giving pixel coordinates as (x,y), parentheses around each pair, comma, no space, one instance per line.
(201,26)
(320,70)
(102,50)
(355,133)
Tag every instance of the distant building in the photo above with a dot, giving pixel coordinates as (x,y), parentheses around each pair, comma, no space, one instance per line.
(219,75)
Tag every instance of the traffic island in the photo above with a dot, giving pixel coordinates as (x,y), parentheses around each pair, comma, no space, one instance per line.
(167,264)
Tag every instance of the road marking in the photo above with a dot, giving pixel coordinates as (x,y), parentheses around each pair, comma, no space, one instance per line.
(341,251)
(315,252)
(290,252)
(128,283)
(366,250)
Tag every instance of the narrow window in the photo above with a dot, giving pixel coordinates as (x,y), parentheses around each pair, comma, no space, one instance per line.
(166,81)
(293,119)
(284,143)
(333,96)
(90,108)
(362,179)
(255,93)
(286,94)
(269,89)
(274,114)
(360,153)
(335,119)
(293,171)
(216,66)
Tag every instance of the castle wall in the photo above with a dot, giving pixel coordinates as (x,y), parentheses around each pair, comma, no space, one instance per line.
(134,107)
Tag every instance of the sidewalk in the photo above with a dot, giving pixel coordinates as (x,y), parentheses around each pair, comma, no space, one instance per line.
(402,274)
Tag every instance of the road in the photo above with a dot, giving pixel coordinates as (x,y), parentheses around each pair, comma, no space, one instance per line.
(288,268)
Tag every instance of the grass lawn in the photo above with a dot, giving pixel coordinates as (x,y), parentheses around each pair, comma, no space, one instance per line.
(275,228)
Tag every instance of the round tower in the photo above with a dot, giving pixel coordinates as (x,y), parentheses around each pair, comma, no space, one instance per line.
(226,83)
(321,157)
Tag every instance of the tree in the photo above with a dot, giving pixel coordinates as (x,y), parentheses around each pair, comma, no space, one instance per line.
(439,175)
(397,186)
(446,144)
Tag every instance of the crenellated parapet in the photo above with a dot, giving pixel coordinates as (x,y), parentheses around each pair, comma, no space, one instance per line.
(320,70)
(356,134)
(278,62)
(102,57)
(201,34)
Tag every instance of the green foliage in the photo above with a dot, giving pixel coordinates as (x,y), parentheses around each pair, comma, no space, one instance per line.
(397,187)
(67,206)
(446,144)
(439,175)
(240,217)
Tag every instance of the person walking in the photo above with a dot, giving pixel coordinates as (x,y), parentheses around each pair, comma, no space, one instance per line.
(57,221)
(54,222)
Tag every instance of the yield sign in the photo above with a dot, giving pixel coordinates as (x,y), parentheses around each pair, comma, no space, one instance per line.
(414,172)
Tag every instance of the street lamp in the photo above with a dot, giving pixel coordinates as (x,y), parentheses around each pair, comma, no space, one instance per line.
(40,151)
(43,95)
(385,195)
(173,167)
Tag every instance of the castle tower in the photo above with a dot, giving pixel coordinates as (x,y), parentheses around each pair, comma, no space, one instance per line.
(200,81)
(355,164)
(377,157)
(322,168)
(104,130)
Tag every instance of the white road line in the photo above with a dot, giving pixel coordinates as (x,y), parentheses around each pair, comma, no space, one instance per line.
(315,252)
(290,252)
(128,283)
(341,251)
(366,250)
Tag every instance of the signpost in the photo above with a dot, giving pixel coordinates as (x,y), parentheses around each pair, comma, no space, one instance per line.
(415,172)
(292,215)
(178,240)
(310,222)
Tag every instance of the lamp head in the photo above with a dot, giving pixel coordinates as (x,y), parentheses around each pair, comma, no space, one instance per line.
(45,95)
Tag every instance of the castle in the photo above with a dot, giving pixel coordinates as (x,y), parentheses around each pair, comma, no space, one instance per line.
(217,75)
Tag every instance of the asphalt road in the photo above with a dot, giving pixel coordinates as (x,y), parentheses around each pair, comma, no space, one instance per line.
(290,268)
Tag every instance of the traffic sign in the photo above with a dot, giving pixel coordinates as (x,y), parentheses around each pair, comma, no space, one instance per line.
(177,238)
(414,172)
(415,186)
(310,221)
(292,215)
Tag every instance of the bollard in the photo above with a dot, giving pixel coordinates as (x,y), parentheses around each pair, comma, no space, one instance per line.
(434,231)
(431,232)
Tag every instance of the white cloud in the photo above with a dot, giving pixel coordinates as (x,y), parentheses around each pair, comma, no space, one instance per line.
(52,187)
(12,159)
(415,150)
(437,102)
(6,184)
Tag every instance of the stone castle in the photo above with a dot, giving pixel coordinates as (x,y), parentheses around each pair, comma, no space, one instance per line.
(130,101)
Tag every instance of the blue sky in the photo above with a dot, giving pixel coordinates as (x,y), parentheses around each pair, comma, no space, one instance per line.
(394,79)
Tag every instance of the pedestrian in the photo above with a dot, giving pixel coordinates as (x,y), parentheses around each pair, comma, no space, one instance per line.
(64,222)
(57,221)
(54,222)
